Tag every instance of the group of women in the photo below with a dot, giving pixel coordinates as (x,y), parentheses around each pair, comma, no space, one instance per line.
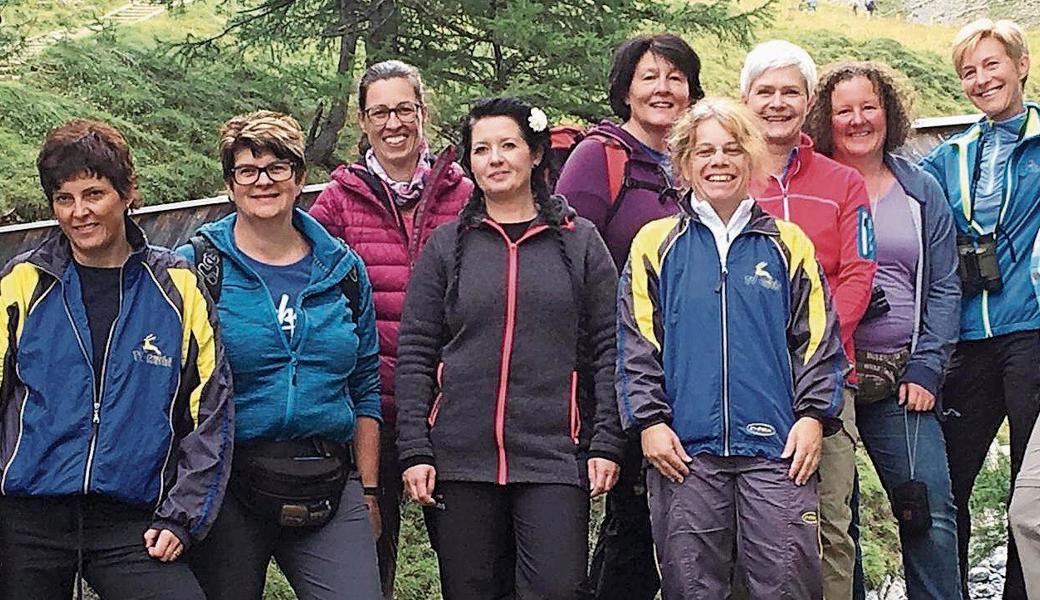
(455,332)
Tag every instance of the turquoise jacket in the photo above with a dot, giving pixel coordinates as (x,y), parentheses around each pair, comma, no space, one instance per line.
(316,384)
(1014,308)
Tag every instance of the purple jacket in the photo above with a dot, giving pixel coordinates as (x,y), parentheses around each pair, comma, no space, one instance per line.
(356,207)
(583,181)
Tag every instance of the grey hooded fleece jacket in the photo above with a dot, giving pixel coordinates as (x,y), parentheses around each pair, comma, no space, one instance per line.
(500,387)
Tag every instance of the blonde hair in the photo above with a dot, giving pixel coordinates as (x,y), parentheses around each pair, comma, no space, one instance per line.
(275,132)
(1005,31)
(734,117)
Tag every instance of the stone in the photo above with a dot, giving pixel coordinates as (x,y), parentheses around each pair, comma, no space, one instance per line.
(979,574)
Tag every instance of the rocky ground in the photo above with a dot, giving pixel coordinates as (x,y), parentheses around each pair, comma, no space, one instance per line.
(959,12)
(985,581)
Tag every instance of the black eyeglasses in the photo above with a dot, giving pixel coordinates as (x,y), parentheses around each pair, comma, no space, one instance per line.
(277,171)
(406,112)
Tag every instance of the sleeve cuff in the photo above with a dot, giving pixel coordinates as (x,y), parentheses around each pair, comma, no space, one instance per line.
(604,454)
(922,376)
(411,461)
(831,425)
(175,529)
(648,423)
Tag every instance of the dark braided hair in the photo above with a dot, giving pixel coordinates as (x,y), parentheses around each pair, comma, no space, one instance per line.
(552,210)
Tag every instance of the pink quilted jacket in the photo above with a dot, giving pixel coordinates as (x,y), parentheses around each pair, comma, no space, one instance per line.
(357,208)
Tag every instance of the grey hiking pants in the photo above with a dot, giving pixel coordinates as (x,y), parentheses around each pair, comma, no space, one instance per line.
(742,500)
(1024,514)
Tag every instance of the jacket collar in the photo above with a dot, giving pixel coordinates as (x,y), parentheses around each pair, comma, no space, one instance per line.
(330,254)
(55,253)
(911,177)
(972,134)
(760,221)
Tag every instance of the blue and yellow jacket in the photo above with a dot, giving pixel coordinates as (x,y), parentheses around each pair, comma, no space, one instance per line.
(1014,308)
(159,431)
(315,385)
(729,356)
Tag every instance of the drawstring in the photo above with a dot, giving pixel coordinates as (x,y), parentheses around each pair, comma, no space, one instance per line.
(79,548)
(917,428)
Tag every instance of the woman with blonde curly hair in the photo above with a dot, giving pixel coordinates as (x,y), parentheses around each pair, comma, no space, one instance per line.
(904,341)
(295,305)
(731,371)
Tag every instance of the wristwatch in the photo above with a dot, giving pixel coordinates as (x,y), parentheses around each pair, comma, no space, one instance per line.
(375,491)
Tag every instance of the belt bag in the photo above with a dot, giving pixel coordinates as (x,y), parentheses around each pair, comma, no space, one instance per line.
(296,483)
(879,374)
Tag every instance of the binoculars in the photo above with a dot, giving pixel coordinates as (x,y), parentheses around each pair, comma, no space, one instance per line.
(977,264)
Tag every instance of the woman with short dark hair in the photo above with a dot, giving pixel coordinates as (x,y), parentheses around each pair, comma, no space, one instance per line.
(295,305)
(904,341)
(620,178)
(508,308)
(112,469)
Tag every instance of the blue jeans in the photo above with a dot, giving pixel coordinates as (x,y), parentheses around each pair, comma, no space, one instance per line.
(929,559)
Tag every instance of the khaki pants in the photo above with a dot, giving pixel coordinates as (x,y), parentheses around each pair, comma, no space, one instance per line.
(1024,515)
(837,475)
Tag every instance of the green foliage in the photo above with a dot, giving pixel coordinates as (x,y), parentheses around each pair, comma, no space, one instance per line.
(168,114)
(988,505)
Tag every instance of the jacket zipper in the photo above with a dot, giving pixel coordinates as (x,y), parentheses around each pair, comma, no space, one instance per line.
(507,345)
(431,419)
(575,414)
(723,286)
(99,392)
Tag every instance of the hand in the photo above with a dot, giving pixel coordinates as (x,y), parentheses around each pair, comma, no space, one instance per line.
(418,482)
(163,545)
(603,474)
(665,452)
(915,397)
(805,443)
(374,518)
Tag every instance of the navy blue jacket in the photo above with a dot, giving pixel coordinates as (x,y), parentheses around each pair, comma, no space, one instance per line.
(159,433)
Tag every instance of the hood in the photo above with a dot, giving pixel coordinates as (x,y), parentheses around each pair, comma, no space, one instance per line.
(331,255)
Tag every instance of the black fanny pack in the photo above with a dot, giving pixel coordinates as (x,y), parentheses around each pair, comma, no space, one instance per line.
(295,483)
(879,374)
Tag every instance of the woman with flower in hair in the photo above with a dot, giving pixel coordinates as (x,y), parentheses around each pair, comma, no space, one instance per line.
(295,305)
(506,309)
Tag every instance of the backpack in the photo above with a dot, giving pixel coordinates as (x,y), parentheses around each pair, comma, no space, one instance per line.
(209,263)
(563,139)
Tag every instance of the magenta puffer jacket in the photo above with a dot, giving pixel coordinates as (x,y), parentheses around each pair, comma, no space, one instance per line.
(357,207)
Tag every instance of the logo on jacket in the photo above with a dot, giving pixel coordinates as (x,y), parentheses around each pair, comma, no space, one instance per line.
(150,353)
(762,277)
(761,429)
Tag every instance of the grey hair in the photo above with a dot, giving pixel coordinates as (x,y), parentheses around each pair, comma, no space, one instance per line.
(391,69)
(777,54)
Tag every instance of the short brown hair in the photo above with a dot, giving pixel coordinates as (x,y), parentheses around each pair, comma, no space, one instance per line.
(260,131)
(895,99)
(735,117)
(1005,31)
(82,147)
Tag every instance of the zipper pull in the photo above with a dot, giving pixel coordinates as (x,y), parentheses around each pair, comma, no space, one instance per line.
(293,367)
(722,280)
(97,413)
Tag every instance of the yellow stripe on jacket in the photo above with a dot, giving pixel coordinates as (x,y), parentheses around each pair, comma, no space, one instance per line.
(647,251)
(803,256)
(196,324)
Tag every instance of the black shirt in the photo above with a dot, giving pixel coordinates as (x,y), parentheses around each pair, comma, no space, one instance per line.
(516,230)
(100,289)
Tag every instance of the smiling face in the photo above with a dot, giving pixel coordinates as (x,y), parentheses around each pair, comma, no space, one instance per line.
(500,158)
(91,213)
(858,120)
(658,95)
(264,198)
(396,143)
(718,168)
(780,99)
(992,80)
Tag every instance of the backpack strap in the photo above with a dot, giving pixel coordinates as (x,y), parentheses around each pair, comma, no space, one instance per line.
(209,264)
(351,287)
(617,161)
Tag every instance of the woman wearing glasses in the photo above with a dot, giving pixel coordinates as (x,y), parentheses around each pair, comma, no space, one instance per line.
(295,306)
(385,206)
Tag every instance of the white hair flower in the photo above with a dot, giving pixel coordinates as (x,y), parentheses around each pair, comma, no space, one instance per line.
(537,120)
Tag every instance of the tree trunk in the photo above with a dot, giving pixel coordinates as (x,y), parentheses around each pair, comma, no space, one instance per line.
(381,42)
(321,149)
